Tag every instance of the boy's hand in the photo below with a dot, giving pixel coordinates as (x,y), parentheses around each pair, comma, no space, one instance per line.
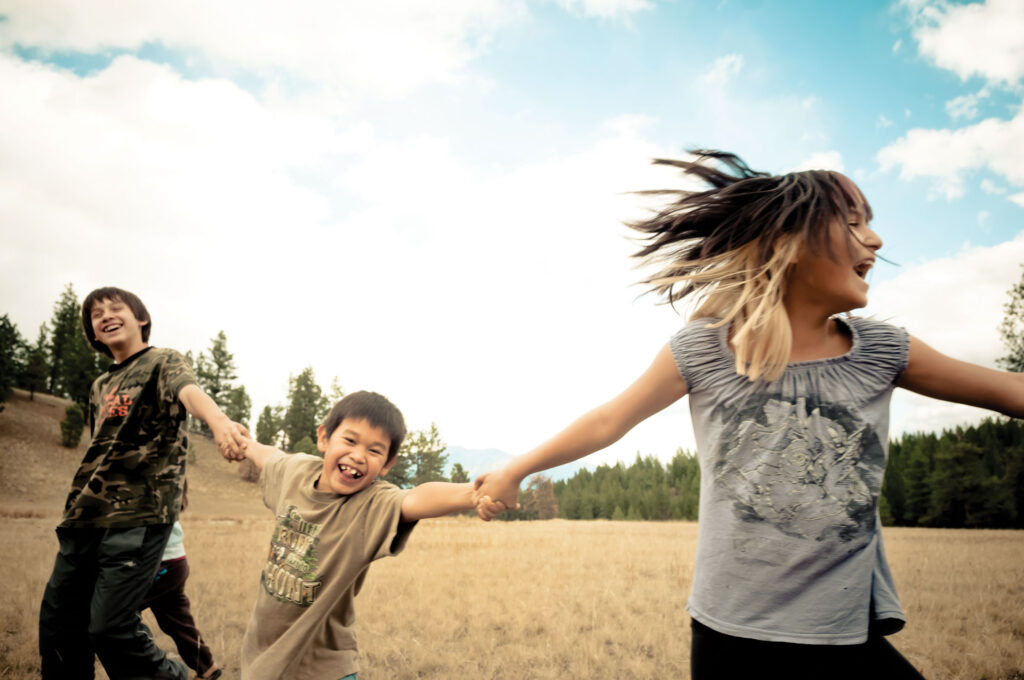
(488,509)
(500,486)
(231,439)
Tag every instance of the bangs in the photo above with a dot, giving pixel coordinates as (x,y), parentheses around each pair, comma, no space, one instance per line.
(851,192)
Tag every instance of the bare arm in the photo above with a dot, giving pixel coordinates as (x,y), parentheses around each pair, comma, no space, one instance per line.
(231,437)
(258,453)
(933,374)
(658,387)
(434,499)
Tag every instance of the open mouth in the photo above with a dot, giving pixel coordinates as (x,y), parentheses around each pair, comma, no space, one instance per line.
(862,268)
(349,472)
(110,328)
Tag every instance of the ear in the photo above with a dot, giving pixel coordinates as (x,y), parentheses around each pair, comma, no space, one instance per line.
(391,463)
(321,439)
(143,323)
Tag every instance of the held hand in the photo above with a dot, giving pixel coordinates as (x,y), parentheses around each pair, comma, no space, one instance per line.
(231,440)
(500,486)
(488,509)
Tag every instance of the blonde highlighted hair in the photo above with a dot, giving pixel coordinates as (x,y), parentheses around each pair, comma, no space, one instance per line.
(729,247)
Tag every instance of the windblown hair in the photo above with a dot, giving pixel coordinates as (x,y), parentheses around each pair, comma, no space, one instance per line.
(374,409)
(112,293)
(729,247)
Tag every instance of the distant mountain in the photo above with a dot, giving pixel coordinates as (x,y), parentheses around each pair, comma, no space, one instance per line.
(478,461)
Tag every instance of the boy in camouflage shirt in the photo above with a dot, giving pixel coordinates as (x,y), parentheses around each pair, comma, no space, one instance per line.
(124,498)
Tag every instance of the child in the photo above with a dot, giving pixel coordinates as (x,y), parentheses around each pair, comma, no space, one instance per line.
(124,498)
(790,406)
(171,607)
(334,517)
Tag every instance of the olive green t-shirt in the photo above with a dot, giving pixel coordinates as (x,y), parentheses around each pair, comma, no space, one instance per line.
(320,551)
(132,473)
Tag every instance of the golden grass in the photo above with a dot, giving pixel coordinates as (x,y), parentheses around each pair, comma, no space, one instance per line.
(535,600)
(552,599)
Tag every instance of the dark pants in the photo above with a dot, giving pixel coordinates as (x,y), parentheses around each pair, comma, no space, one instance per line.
(91,605)
(722,657)
(170,606)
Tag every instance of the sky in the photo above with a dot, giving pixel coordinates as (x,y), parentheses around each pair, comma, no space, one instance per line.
(427,199)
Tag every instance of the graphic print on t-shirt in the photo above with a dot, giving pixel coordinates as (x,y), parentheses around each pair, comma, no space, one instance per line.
(290,574)
(114,405)
(805,467)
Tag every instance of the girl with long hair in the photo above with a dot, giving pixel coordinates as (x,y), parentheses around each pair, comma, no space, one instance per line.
(789,398)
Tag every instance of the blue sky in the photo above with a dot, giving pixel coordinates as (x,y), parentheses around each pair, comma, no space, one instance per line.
(427,201)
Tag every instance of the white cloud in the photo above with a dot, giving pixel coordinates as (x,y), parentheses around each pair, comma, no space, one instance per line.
(883,122)
(826,160)
(1018,199)
(723,70)
(983,39)
(384,48)
(605,9)
(370,257)
(983,217)
(990,187)
(954,304)
(965,106)
(896,46)
(946,156)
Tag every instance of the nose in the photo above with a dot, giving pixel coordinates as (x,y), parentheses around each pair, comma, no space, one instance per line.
(872,239)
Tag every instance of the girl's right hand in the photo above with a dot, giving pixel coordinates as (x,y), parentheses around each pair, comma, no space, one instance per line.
(500,486)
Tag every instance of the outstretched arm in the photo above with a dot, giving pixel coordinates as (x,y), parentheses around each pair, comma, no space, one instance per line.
(933,374)
(658,387)
(258,453)
(434,499)
(231,437)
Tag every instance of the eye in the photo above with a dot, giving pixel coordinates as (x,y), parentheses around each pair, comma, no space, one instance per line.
(348,440)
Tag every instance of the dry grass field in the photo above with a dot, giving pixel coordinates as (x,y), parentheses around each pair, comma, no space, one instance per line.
(465,600)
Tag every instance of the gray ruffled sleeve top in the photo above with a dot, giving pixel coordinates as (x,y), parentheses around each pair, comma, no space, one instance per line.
(790,544)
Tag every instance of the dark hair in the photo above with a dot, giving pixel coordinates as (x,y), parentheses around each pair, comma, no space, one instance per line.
(112,293)
(373,408)
(742,206)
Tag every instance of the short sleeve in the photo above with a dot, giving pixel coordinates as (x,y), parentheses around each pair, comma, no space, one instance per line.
(271,478)
(882,351)
(175,374)
(698,353)
(385,534)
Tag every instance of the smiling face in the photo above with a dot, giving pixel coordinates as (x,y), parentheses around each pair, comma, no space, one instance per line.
(114,324)
(836,282)
(355,454)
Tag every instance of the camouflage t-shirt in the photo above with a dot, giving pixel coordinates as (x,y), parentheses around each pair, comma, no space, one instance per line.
(133,471)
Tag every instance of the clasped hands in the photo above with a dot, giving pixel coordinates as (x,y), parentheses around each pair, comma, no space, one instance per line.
(494,493)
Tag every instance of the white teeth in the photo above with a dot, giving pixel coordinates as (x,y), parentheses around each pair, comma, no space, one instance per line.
(355,473)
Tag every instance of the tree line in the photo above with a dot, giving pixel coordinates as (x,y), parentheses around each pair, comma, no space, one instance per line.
(62,363)
(966,477)
(963,477)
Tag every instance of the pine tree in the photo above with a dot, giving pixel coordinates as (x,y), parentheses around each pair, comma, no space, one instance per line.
(1012,329)
(459,474)
(11,353)
(216,370)
(238,406)
(37,367)
(269,425)
(425,450)
(307,407)
(74,365)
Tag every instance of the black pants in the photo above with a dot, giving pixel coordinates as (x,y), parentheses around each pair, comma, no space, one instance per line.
(172,610)
(722,657)
(91,606)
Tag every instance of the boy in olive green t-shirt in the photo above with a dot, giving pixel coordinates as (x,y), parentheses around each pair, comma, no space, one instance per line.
(333,518)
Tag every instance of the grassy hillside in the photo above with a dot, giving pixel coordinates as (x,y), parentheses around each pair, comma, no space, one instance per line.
(36,471)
